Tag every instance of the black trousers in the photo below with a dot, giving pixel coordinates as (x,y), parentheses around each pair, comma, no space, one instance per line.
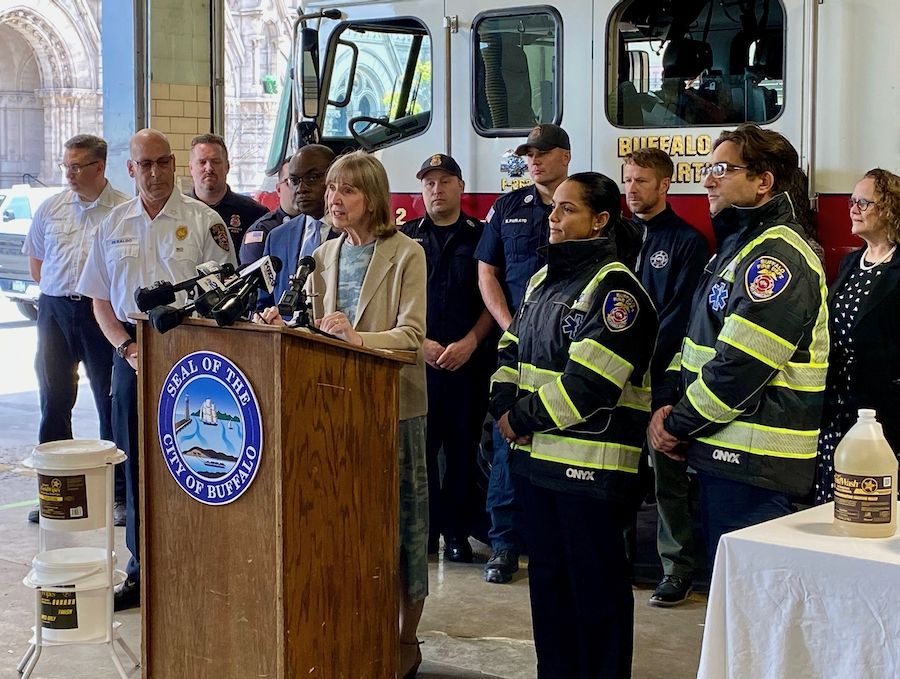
(68,334)
(582,606)
(125,434)
(457,403)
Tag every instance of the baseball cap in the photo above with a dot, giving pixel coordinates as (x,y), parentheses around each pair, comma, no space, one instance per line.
(545,137)
(439,161)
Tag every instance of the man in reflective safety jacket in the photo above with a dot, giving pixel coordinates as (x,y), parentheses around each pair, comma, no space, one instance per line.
(752,367)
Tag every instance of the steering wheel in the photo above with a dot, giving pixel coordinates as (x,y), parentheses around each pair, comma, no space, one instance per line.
(362,141)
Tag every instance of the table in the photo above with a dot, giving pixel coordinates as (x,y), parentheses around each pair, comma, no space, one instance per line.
(791,599)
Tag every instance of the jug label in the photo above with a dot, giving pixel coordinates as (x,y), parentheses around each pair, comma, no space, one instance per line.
(59,610)
(63,497)
(863,499)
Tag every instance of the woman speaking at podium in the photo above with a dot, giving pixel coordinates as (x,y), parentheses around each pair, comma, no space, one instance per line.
(369,289)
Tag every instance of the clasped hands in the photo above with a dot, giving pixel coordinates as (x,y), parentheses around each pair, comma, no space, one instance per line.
(660,439)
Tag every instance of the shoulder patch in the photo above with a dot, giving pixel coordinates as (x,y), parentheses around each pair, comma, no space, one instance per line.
(766,278)
(253,237)
(220,235)
(620,309)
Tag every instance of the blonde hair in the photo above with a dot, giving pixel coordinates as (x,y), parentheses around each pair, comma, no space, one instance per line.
(366,173)
(887,195)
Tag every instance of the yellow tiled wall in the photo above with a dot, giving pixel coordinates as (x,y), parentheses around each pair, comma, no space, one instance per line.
(181,112)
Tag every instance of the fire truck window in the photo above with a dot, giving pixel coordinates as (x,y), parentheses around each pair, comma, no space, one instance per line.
(379,85)
(516,80)
(695,63)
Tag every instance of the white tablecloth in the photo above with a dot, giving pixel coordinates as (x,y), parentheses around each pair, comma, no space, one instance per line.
(790,599)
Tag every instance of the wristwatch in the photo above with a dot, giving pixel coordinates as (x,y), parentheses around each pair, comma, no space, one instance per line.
(123,347)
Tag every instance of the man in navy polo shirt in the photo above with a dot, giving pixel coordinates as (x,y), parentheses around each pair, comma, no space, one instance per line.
(209,169)
(517,226)
(458,361)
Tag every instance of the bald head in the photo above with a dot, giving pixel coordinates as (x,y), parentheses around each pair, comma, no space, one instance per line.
(152,166)
(306,175)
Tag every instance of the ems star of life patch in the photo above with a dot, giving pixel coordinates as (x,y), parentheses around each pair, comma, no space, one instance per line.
(766,278)
(620,308)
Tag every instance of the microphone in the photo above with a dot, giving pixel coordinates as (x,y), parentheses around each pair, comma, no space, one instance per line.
(294,298)
(163,318)
(163,292)
(261,274)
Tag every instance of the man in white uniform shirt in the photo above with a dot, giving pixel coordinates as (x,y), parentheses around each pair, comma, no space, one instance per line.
(57,246)
(159,235)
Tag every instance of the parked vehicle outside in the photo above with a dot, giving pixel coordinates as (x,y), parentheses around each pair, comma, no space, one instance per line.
(17,206)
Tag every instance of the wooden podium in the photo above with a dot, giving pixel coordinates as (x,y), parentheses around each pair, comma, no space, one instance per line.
(297,577)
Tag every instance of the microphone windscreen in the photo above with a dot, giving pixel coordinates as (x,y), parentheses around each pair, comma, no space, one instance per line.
(164,318)
(148,298)
(277,264)
(308,262)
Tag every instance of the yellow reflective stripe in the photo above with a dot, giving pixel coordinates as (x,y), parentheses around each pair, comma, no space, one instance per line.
(506,339)
(584,453)
(708,404)
(675,363)
(597,358)
(504,375)
(756,341)
(758,439)
(802,377)
(585,299)
(559,406)
(532,378)
(535,281)
(634,397)
(695,356)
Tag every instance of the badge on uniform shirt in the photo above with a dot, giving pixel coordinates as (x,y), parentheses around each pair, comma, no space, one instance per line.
(235,221)
(659,259)
(766,278)
(529,198)
(181,232)
(620,309)
(253,237)
(220,235)
(718,296)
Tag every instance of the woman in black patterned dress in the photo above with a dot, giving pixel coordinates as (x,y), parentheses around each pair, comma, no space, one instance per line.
(864,303)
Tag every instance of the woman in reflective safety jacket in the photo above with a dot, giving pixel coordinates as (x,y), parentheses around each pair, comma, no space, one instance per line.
(572,396)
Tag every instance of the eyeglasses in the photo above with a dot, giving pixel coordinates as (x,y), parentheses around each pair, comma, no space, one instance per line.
(861,203)
(75,169)
(309,180)
(161,163)
(718,170)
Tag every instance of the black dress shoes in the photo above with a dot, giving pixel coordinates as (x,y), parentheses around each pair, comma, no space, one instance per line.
(127,597)
(457,550)
(501,566)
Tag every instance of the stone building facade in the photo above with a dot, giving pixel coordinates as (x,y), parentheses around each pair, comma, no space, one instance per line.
(51,83)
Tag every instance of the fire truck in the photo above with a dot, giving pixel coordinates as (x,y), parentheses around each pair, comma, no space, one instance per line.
(405,79)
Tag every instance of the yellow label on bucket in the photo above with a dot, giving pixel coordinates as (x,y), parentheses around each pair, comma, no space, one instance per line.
(59,610)
(63,497)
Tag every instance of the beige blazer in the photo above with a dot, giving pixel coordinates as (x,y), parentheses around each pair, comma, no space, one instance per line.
(391,310)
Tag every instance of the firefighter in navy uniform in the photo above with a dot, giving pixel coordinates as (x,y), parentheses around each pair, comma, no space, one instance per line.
(670,264)
(458,360)
(753,364)
(572,396)
(509,254)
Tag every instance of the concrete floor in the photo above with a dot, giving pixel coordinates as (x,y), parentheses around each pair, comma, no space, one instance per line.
(469,628)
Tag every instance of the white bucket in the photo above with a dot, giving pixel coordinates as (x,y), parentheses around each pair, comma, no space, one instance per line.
(72,482)
(74,586)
